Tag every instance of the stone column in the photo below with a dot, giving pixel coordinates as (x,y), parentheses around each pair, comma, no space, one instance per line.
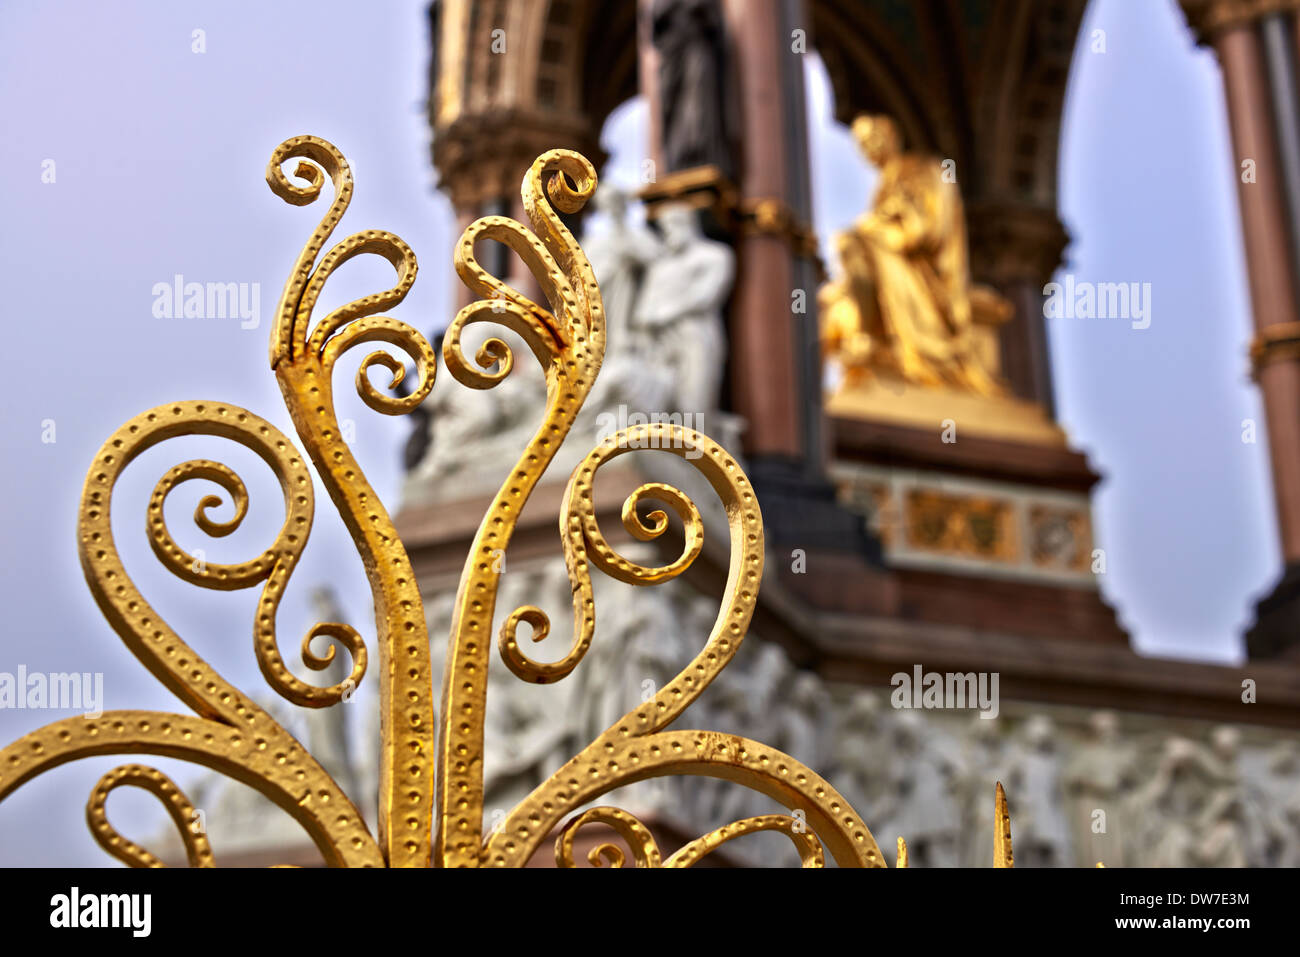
(807,268)
(1016,248)
(775,363)
(765,356)
(1250,41)
(647,61)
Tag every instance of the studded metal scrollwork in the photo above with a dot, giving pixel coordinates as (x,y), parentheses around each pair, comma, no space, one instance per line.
(430,789)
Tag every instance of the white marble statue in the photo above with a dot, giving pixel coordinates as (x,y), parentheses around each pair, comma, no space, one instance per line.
(679,309)
(665,355)
(620,254)
(328,735)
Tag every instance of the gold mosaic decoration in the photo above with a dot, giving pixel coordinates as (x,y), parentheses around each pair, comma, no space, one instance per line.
(430,810)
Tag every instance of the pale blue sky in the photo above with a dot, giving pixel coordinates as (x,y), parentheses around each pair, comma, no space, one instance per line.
(159,155)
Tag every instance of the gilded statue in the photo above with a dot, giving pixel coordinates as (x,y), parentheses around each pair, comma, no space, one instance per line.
(905,306)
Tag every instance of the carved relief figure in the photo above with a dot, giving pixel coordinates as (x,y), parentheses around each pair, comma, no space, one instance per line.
(1102,772)
(1043,838)
(859,749)
(1281,799)
(919,804)
(986,762)
(1172,803)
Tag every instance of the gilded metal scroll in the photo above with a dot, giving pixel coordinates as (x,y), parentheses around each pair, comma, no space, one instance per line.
(430,788)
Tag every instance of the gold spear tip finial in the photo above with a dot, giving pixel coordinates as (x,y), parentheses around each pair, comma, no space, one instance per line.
(1001,830)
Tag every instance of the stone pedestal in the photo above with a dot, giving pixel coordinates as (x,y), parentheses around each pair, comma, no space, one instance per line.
(981,508)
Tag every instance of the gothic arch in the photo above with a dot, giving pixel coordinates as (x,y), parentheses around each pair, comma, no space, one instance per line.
(981,81)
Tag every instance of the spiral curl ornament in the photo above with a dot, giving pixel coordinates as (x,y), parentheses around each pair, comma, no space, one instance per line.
(584,542)
(272,566)
(585,545)
(228,732)
(568,341)
(636,746)
(644,848)
(304,359)
(317,158)
(179,808)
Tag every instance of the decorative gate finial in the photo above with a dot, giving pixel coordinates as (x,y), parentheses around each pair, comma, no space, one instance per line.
(430,783)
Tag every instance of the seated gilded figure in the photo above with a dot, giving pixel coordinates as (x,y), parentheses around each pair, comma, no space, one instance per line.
(904,306)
